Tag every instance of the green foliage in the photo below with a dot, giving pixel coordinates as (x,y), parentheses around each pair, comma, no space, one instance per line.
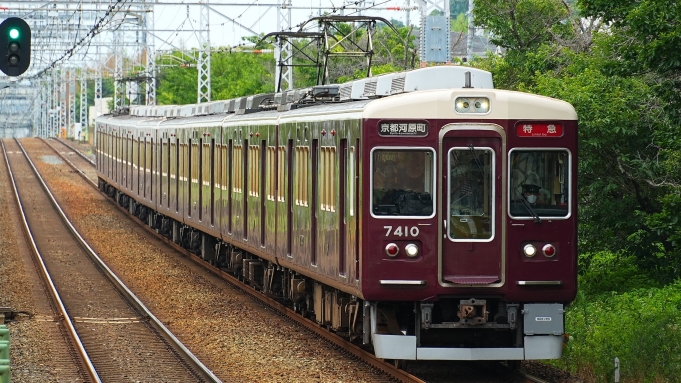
(375,70)
(241,74)
(521,25)
(392,52)
(232,75)
(648,32)
(235,73)
(605,272)
(641,327)
(397,23)
(459,23)
(457,7)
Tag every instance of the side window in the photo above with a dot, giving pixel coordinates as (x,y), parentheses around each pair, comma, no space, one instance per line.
(238,169)
(271,172)
(254,170)
(302,163)
(281,172)
(327,178)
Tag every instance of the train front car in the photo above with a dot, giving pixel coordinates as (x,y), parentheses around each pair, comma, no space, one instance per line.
(469,224)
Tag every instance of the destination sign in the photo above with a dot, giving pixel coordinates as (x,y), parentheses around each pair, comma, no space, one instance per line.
(409,129)
(539,130)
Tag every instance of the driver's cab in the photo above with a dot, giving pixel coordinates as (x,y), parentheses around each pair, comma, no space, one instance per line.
(539,183)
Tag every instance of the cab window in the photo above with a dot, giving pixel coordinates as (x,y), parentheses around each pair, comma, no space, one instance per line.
(471,193)
(539,183)
(402,182)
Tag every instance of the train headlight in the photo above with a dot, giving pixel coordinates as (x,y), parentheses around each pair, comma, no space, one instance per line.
(462,105)
(391,249)
(481,105)
(548,250)
(411,250)
(530,251)
(472,105)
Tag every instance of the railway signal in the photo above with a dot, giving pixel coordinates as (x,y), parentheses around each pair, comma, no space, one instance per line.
(15,46)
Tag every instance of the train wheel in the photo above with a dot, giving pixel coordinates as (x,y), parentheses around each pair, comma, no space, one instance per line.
(399,363)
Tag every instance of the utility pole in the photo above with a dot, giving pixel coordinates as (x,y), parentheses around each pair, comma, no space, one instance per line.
(62,102)
(118,76)
(150,55)
(72,103)
(471,32)
(283,51)
(83,104)
(203,62)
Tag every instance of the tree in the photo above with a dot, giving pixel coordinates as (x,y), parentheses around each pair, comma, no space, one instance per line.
(233,74)
(457,7)
(522,25)
(629,157)
(648,33)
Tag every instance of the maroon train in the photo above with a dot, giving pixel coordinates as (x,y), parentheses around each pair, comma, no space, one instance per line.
(424,212)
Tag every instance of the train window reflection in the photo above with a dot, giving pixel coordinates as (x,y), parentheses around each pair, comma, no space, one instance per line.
(539,183)
(471,192)
(402,182)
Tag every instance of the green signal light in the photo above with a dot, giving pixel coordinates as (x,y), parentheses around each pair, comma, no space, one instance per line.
(14,33)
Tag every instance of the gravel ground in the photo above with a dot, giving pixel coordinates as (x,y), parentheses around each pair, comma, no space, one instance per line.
(548,373)
(237,338)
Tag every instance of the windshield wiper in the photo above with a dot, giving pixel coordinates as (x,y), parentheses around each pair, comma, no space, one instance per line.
(476,160)
(528,207)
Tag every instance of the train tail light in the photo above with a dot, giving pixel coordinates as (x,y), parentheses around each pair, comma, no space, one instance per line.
(392,250)
(549,251)
(412,250)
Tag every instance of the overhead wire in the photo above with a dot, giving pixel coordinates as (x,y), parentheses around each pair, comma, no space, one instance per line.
(111,12)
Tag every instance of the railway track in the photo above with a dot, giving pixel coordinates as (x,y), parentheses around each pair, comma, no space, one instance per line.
(113,335)
(460,372)
(80,162)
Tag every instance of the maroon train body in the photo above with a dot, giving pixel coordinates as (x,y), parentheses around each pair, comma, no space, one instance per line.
(429,216)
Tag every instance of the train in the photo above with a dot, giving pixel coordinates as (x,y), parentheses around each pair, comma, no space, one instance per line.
(424,214)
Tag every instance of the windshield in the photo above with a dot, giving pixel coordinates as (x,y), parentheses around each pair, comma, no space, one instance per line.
(402,182)
(470,194)
(541,177)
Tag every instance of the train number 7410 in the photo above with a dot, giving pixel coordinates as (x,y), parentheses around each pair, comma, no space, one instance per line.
(402,231)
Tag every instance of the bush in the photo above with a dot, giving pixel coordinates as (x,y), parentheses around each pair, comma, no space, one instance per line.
(606,272)
(639,325)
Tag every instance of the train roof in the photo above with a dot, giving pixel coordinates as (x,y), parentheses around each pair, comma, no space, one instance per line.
(416,94)
(439,104)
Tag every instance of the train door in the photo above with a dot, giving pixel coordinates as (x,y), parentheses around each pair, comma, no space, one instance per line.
(173,175)
(183,176)
(471,166)
(136,181)
(148,167)
(164,172)
(116,156)
(126,151)
(194,200)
